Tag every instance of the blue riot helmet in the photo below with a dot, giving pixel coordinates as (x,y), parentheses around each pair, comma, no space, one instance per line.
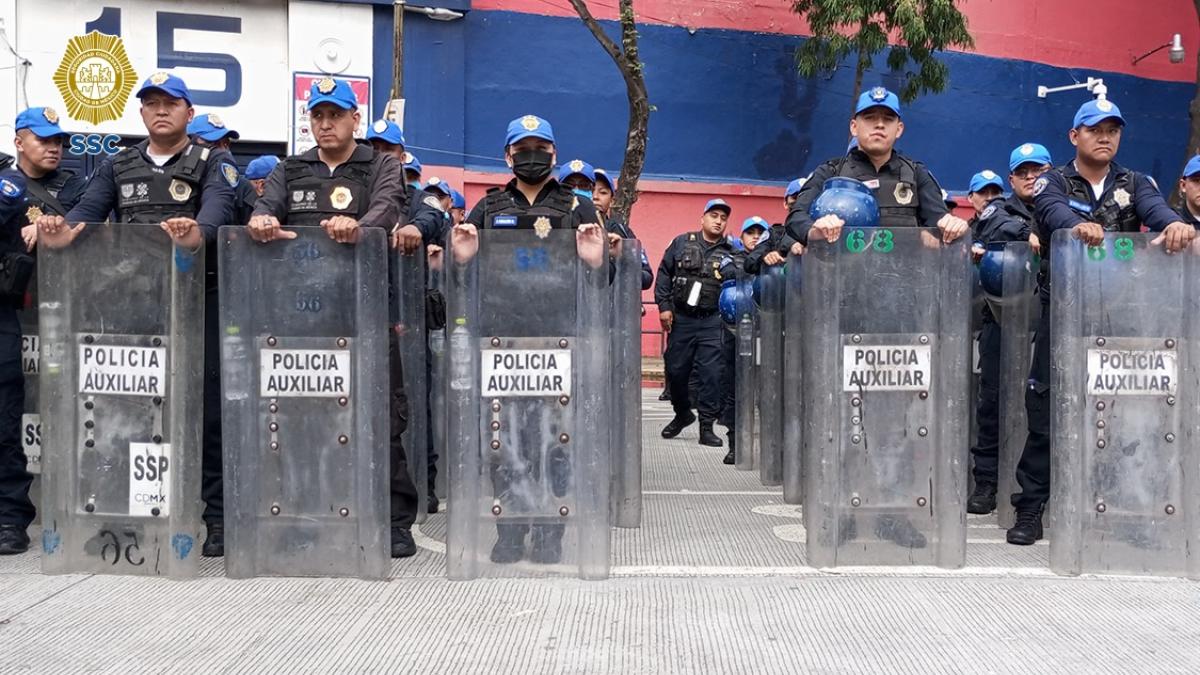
(770,288)
(991,269)
(729,301)
(848,199)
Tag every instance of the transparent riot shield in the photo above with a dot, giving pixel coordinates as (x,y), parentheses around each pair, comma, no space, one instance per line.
(793,399)
(31,417)
(625,427)
(526,402)
(746,377)
(409,325)
(305,422)
(772,291)
(121,319)
(437,371)
(978,301)
(1016,310)
(886,346)
(1124,495)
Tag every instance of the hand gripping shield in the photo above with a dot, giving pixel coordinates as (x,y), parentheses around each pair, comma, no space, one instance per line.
(304,357)
(121,326)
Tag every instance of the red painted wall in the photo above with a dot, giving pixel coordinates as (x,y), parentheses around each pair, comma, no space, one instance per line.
(1094,34)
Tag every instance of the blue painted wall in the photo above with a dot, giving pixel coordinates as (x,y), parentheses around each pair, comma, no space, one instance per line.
(730,107)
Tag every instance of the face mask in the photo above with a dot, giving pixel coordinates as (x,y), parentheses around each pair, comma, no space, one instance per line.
(533,166)
(416,185)
(582,193)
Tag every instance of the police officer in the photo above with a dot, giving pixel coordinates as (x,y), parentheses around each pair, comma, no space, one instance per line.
(603,187)
(993,224)
(458,207)
(1089,195)
(16,510)
(529,150)
(49,189)
(168,179)
(420,218)
(210,130)
(257,171)
(687,290)
(754,228)
(1026,163)
(412,170)
(907,193)
(338,165)
(778,244)
(1189,192)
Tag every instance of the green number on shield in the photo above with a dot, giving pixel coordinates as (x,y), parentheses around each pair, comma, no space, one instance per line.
(1097,253)
(856,242)
(1124,247)
(883,241)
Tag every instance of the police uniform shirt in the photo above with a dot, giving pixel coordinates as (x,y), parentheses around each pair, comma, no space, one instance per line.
(996,225)
(583,211)
(777,240)
(926,194)
(216,194)
(1018,208)
(244,199)
(13,205)
(386,189)
(624,231)
(423,211)
(1063,199)
(66,187)
(721,252)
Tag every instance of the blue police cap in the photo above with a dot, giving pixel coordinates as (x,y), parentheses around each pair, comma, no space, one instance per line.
(411,163)
(718,205)
(602,175)
(983,179)
(529,126)
(1192,168)
(1028,153)
(457,200)
(43,122)
(878,97)
(210,127)
(753,222)
(261,167)
(387,131)
(1096,111)
(171,85)
(795,186)
(330,90)
(576,166)
(438,185)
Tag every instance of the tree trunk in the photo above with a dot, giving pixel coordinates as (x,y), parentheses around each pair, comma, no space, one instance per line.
(859,67)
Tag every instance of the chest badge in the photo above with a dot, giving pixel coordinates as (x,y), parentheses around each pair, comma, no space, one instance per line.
(341,198)
(127,190)
(541,227)
(180,191)
(33,213)
(1121,197)
(904,194)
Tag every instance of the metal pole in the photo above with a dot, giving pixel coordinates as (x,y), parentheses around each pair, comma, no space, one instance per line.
(398,50)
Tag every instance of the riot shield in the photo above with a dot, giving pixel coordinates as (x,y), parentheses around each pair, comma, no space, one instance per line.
(409,324)
(121,319)
(746,376)
(772,291)
(793,399)
(31,417)
(625,426)
(886,347)
(1124,416)
(526,403)
(437,371)
(304,357)
(1016,310)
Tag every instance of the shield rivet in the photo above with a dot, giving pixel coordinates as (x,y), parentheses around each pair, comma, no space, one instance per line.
(341,342)
(921,501)
(563,438)
(495,445)
(563,343)
(856,401)
(1100,405)
(1170,400)
(922,432)
(156,438)
(273,426)
(924,339)
(496,510)
(1170,343)
(275,446)
(495,425)
(89,507)
(343,401)
(343,512)
(343,439)
(88,339)
(855,420)
(1100,342)
(273,408)
(1170,437)
(1100,443)
(1100,424)
(89,405)
(157,400)
(1101,508)
(274,509)
(856,339)
(855,439)
(923,395)
(564,400)
(155,512)
(495,406)
(1170,510)
(89,443)
(157,342)
(495,342)
(272,341)
(563,511)
(855,501)
(89,424)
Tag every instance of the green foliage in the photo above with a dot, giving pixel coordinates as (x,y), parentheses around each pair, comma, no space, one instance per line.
(860,28)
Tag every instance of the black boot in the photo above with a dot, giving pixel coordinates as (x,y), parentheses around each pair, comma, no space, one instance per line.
(403,545)
(546,544)
(678,424)
(13,540)
(900,531)
(510,544)
(1028,528)
(214,543)
(983,499)
(707,437)
(431,506)
(665,395)
(731,456)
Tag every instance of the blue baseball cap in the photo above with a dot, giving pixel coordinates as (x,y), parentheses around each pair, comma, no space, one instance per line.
(1028,153)
(1096,111)
(795,187)
(527,127)
(386,131)
(878,97)
(261,167)
(210,127)
(1192,168)
(330,90)
(411,163)
(439,185)
(43,122)
(602,175)
(576,166)
(718,205)
(171,85)
(753,222)
(983,179)
(457,200)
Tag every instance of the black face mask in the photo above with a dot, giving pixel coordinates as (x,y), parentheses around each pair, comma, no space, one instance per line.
(533,166)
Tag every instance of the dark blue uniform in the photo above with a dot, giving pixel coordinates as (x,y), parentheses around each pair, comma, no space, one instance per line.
(15,508)
(995,224)
(777,240)
(624,231)
(1062,200)
(733,269)
(691,265)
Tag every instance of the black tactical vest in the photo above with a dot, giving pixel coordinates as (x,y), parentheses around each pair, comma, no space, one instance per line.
(692,268)
(312,198)
(147,193)
(1116,212)
(898,199)
(501,211)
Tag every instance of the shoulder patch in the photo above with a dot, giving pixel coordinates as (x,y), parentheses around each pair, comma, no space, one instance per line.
(987,213)
(1040,185)
(8,188)
(230,173)
(432,201)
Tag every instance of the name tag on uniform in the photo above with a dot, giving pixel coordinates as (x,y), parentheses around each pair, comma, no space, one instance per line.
(1080,206)
(504,221)
(873,183)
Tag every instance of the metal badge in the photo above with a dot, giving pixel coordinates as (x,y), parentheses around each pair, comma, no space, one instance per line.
(542,227)
(326,85)
(577,165)
(158,78)
(1121,197)
(341,197)
(530,123)
(216,121)
(127,190)
(50,115)
(904,194)
(180,191)
(297,196)
(33,213)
